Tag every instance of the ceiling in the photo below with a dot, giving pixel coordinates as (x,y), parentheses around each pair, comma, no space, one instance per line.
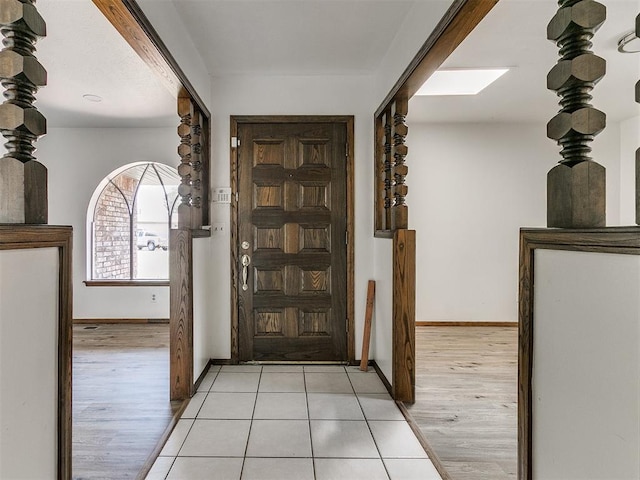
(317,37)
(293,37)
(514,35)
(95,60)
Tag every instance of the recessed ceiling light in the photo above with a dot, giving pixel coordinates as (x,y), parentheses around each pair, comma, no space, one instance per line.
(92,98)
(629,43)
(460,81)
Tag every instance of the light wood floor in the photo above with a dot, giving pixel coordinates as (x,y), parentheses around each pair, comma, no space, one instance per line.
(120,398)
(466,399)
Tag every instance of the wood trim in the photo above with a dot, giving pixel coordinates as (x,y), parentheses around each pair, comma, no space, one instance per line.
(130,21)
(203,374)
(181,314)
(45,236)
(126,283)
(366,336)
(465,324)
(424,442)
(178,410)
(461,18)
(349,123)
(618,240)
(383,378)
(404,315)
(125,321)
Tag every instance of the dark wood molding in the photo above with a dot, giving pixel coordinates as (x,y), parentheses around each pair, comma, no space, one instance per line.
(203,374)
(383,378)
(126,283)
(131,22)
(126,321)
(348,120)
(424,442)
(461,18)
(618,240)
(178,407)
(181,314)
(404,315)
(14,237)
(465,324)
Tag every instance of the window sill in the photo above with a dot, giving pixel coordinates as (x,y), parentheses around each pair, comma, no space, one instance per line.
(126,283)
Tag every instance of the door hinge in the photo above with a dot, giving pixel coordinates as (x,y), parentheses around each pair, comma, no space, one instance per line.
(346,238)
(235,142)
(236,197)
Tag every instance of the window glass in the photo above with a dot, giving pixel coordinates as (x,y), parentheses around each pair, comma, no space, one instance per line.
(131,220)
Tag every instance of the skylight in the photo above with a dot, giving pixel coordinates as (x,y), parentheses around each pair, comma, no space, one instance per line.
(460,81)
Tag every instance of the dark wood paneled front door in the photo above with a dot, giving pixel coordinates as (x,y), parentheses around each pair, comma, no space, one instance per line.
(292,253)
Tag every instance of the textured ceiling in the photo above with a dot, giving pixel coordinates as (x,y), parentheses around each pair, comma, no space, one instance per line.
(514,35)
(293,37)
(84,54)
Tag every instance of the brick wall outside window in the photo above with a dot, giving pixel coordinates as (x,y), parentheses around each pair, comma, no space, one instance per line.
(112,232)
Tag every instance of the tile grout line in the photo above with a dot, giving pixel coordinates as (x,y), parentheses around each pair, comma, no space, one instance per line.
(306,397)
(384,465)
(253,413)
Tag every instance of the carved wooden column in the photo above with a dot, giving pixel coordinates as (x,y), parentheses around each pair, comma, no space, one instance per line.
(638,151)
(400,215)
(23,180)
(576,187)
(387,120)
(190,168)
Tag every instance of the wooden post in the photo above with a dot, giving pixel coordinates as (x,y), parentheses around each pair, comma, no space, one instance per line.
(638,150)
(366,337)
(181,314)
(23,180)
(399,110)
(576,187)
(404,315)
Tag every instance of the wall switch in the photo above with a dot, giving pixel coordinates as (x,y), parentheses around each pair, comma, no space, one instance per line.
(218,228)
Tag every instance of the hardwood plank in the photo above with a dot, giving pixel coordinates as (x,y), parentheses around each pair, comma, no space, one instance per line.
(181,314)
(465,324)
(366,337)
(466,399)
(404,315)
(121,407)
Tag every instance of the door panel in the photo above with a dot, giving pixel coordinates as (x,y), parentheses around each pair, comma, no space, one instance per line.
(292,214)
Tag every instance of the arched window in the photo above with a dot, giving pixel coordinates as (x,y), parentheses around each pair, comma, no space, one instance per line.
(128,223)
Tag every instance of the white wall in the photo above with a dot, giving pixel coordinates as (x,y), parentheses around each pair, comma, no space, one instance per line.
(166,21)
(28,369)
(420,22)
(77,160)
(629,143)
(586,372)
(471,188)
(273,95)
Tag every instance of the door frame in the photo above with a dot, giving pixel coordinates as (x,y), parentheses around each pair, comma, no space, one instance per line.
(348,122)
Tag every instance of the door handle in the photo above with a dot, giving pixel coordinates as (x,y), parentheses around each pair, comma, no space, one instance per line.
(246,260)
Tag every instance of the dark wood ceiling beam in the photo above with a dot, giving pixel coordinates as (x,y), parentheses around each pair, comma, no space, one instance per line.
(461,18)
(130,21)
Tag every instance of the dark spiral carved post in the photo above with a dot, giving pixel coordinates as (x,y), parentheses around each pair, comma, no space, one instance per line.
(399,170)
(576,187)
(388,164)
(190,168)
(638,150)
(23,180)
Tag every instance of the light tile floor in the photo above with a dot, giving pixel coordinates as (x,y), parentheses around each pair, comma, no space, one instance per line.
(293,422)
